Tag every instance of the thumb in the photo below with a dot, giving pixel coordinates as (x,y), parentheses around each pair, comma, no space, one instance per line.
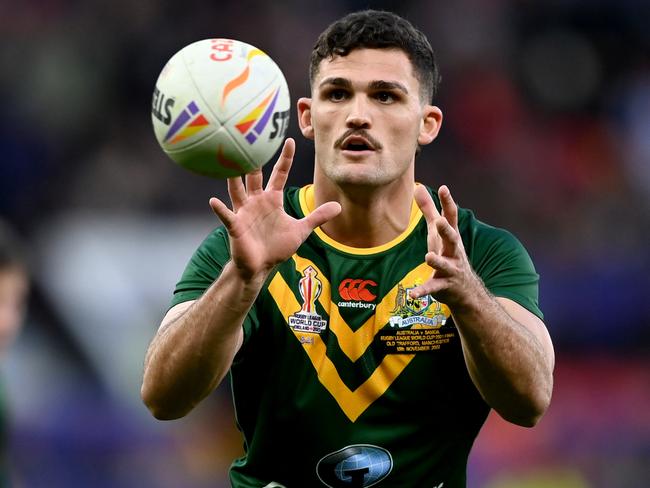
(326,211)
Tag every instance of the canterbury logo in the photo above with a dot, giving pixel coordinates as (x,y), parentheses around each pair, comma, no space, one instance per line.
(351,289)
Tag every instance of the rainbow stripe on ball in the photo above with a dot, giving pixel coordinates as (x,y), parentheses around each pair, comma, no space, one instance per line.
(258,118)
(180,129)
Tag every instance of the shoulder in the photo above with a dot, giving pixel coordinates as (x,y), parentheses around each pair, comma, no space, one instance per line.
(203,267)
(481,237)
(215,243)
(489,245)
(499,259)
(211,255)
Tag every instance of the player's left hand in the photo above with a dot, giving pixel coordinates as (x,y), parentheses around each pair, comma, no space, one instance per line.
(453,281)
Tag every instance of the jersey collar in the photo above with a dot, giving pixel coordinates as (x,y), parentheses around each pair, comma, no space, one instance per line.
(306,200)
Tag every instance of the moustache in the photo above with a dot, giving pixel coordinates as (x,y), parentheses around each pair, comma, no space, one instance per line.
(374,143)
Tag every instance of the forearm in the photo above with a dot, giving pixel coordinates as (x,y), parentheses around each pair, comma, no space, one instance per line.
(190,356)
(509,365)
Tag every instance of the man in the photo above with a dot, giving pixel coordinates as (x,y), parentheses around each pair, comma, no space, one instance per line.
(367,335)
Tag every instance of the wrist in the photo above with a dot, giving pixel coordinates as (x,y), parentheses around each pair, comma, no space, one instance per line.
(474,298)
(250,280)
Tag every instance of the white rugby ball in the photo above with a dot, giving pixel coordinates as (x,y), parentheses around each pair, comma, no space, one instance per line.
(220,108)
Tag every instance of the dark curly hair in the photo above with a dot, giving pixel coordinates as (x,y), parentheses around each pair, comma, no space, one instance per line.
(378,29)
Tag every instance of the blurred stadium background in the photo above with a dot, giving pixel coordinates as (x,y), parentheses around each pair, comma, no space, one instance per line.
(546,133)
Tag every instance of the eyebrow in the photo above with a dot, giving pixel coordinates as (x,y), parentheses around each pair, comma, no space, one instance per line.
(342,82)
(373,85)
(388,85)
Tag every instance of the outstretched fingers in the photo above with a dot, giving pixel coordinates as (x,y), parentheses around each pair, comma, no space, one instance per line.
(425,202)
(449,208)
(444,239)
(254,181)
(450,238)
(237,192)
(430,211)
(281,168)
(442,269)
(222,211)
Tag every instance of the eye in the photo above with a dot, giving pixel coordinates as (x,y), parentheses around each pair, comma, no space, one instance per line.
(385,97)
(337,95)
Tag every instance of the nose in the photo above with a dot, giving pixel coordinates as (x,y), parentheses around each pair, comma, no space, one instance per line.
(358,117)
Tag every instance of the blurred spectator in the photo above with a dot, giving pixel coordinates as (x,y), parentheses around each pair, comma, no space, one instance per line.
(14,284)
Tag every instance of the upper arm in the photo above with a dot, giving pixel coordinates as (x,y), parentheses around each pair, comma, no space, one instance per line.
(502,262)
(533,324)
(174,313)
(203,268)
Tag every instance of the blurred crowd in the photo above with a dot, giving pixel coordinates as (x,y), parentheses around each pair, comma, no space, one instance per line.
(546,132)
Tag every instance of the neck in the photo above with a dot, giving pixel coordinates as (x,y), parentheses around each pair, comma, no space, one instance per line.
(370,216)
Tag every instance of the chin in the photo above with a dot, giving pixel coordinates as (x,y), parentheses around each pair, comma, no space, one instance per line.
(366,177)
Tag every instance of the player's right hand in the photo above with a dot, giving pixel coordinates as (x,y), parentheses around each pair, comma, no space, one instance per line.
(262,234)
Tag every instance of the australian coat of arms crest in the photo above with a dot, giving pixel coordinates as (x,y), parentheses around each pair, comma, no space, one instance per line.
(424,310)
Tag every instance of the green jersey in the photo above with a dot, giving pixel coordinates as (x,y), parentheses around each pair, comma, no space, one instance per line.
(343,380)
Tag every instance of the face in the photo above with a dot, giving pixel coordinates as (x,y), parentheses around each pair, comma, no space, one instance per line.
(366,118)
(13,294)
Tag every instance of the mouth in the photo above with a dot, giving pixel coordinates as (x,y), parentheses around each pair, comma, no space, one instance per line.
(357,144)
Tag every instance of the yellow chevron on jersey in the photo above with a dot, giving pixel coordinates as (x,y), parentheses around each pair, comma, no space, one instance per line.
(352,402)
(354,343)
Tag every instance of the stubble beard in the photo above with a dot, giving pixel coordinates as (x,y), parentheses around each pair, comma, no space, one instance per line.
(357,175)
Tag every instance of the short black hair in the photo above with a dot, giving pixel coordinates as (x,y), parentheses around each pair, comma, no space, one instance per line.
(379,29)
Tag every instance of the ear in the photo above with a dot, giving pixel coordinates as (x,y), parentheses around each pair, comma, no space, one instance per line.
(430,126)
(304,117)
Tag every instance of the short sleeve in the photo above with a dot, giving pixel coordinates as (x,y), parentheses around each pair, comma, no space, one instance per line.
(203,269)
(503,264)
